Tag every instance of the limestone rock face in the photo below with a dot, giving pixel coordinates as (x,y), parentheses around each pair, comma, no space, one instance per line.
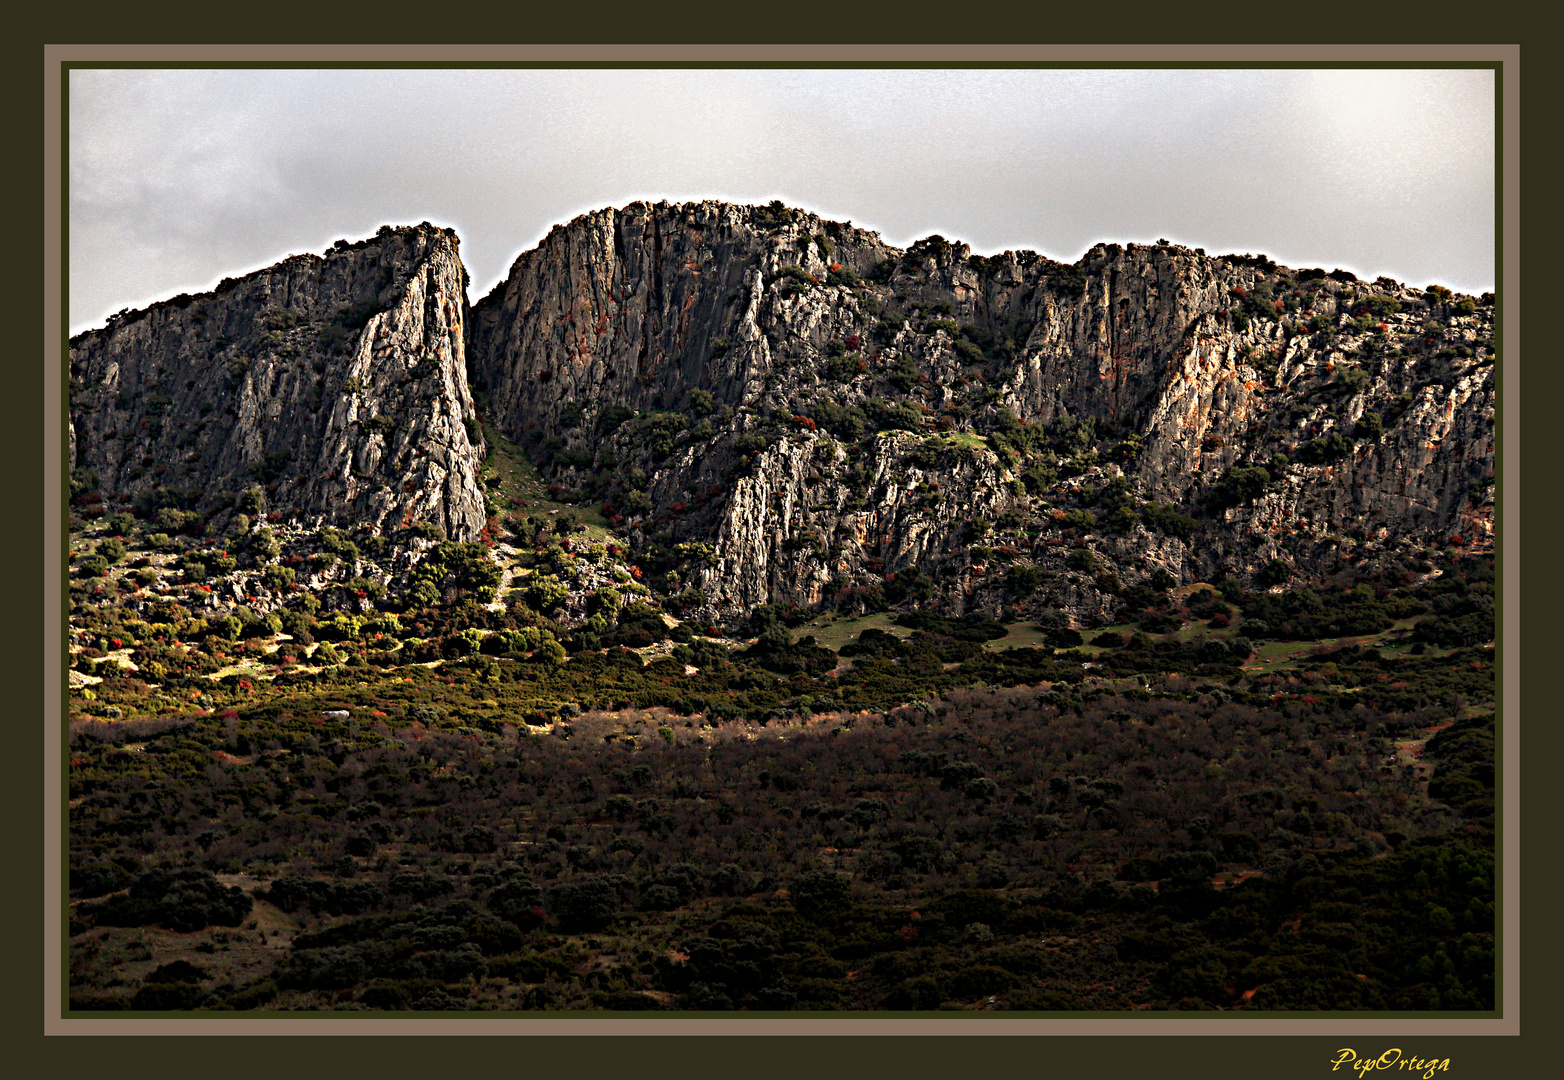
(637,307)
(337,382)
(776,408)
(1145,348)
(793,531)
(735,337)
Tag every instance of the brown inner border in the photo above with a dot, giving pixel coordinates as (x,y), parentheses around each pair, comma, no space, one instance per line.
(848,55)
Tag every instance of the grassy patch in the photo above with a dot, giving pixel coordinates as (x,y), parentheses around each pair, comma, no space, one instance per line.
(963,438)
(1021,636)
(834,634)
(513,482)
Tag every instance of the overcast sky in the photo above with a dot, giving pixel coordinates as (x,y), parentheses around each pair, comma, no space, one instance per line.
(180,178)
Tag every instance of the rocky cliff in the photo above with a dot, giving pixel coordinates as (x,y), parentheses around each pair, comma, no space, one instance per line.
(785,410)
(338,382)
(772,407)
(638,307)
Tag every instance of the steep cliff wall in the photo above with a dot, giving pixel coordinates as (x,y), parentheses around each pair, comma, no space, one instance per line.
(338,382)
(637,307)
(777,408)
(784,390)
(1151,346)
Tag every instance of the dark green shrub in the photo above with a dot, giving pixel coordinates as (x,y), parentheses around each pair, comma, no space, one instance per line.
(253,997)
(1069,281)
(168,997)
(1168,520)
(1276,572)
(1082,559)
(819,894)
(771,216)
(519,901)
(1369,426)
(177,971)
(1333,447)
(417,886)
(355,316)
(1160,623)
(583,906)
(921,994)
(1039,477)
(180,900)
(83,481)
(1239,485)
(611,417)
(272,465)
(97,879)
(1024,580)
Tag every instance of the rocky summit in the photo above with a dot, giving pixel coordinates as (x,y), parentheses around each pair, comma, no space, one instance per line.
(767,407)
(337,381)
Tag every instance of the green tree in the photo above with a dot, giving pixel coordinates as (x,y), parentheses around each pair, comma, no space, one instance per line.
(253,501)
(83,481)
(819,894)
(263,545)
(583,905)
(1276,572)
(1369,426)
(1238,486)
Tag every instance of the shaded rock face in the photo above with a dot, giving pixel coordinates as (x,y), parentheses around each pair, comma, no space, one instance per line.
(637,307)
(1208,365)
(337,382)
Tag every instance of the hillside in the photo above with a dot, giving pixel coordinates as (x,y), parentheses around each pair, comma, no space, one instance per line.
(731,612)
(768,407)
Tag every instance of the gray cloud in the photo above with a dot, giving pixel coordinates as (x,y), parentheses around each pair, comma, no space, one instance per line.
(178,178)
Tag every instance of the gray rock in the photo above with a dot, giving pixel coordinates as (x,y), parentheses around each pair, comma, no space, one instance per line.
(339,383)
(817,416)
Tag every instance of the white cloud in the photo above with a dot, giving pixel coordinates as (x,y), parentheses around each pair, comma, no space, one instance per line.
(181,177)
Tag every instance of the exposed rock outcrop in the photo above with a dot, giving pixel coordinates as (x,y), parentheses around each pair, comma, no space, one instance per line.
(637,307)
(732,375)
(777,408)
(338,382)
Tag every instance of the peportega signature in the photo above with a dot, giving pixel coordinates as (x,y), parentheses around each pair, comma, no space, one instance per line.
(1394,1058)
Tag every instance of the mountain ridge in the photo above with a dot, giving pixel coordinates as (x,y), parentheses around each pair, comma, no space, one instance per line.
(775,408)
